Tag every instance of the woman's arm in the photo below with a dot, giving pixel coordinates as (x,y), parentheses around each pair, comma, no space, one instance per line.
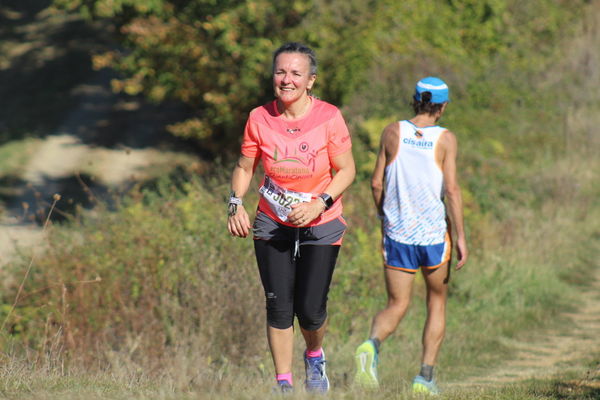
(238,222)
(304,213)
(345,169)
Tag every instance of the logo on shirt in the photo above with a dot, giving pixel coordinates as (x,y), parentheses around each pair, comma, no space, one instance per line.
(418,143)
(293,130)
(306,158)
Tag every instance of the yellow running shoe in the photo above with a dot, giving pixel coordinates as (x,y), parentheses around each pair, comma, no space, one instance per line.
(366,365)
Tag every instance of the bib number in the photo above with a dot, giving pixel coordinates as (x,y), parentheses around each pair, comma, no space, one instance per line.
(281,199)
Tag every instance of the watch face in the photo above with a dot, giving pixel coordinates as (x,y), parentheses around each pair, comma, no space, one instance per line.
(327,199)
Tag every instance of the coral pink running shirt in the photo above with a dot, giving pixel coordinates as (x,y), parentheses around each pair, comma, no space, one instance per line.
(296,154)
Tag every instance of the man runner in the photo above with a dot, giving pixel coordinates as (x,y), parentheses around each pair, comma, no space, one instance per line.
(415,189)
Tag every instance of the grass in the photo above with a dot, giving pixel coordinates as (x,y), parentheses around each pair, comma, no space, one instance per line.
(24,382)
(15,154)
(151,299)
(157,296)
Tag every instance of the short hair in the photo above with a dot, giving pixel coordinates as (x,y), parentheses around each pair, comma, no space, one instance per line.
(295,47)
(425,106)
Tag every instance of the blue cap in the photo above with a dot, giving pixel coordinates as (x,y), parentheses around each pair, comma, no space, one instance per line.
(437,87)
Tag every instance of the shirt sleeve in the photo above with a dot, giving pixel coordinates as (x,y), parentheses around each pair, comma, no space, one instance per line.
(339,137)
(250,142)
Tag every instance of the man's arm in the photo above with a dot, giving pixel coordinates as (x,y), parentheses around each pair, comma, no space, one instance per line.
(388,148)
(454,203)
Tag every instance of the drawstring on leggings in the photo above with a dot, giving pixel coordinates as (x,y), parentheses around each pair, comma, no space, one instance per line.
(297,244)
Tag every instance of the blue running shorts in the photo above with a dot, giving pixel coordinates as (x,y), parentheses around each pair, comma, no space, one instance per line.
(411,257)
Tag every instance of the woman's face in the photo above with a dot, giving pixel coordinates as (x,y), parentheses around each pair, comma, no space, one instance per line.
(292,77)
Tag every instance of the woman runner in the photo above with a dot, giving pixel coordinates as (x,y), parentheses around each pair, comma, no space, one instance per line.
(299,226)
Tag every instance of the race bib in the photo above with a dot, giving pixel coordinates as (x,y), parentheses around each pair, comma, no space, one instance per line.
(281,199)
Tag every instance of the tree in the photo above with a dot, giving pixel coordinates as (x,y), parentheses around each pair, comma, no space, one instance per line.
(214,56)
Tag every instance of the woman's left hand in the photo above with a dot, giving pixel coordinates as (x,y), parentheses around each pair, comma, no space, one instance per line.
(304,213)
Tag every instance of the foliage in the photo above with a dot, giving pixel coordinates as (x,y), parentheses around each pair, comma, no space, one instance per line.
(146,287)
(212,56)
(144,279)
(156,289)
(215,56)
(495,56)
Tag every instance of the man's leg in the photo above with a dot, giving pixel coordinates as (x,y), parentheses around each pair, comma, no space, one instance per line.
(399,288)
(435,326)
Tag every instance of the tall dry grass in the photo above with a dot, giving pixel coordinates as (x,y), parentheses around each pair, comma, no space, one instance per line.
(155,300)
(158,274)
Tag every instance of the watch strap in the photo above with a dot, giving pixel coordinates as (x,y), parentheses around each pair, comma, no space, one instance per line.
(327,200)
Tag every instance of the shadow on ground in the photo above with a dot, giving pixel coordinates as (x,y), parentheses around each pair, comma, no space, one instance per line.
(31,204)
(48,87)
(39,66)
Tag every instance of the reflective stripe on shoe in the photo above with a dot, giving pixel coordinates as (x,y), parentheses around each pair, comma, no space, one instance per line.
(366,359)
(316,375)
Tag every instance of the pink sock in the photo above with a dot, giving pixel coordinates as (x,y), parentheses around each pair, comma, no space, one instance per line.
(285,377)
(315,353)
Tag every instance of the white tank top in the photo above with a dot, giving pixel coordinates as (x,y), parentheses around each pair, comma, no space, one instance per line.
(413,206)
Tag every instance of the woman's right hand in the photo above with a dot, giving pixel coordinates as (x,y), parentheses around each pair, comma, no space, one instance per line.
(239,223)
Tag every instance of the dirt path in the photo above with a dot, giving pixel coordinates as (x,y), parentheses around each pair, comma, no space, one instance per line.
(103,141)
(15,235)
(554,352)
(63,158)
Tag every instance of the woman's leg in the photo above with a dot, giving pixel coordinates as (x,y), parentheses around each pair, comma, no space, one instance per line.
(314,271)
(277,270)
(281,344)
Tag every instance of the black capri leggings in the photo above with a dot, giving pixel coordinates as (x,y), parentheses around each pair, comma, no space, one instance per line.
(295,285)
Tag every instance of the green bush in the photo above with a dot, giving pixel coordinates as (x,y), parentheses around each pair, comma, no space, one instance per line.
(159,270)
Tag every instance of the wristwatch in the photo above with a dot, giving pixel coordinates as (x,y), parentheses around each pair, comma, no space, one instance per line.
(327,200)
